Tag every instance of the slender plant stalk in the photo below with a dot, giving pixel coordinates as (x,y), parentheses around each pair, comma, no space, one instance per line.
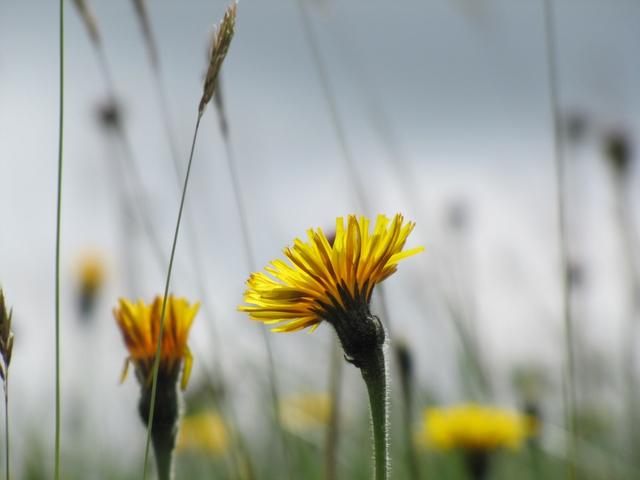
(332,438)
(347,158)
(570,407)
(375,377)
(166,115)
(251,264)
(142,203)
(156,363)
(6,423)
(625,227)
(332,103)
(57,267)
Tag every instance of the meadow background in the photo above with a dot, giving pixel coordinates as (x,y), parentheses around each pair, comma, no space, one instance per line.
(446,110)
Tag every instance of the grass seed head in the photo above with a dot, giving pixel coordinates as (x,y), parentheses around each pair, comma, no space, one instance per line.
(219,49)
(6,336)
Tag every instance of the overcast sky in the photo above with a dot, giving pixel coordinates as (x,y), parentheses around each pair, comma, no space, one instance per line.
(462,88)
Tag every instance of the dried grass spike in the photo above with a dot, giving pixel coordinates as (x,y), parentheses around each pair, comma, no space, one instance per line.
(219,49)
(89,20)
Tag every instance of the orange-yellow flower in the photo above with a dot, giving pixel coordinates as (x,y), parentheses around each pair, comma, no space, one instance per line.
(140,327)
(325,279)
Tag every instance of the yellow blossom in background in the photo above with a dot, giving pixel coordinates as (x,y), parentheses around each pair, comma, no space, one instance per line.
(473,427)
(324,277)
(140,327)
(203,432)
(305,412)
(91,272)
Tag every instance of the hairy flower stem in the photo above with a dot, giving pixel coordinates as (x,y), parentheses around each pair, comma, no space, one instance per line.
(374,373)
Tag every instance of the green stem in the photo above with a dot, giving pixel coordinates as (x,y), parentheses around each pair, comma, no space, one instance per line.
(251,263)
(57,267)
(6,422)
(332,438)
(374,373)
(570,407)
(156,362)
(407,418)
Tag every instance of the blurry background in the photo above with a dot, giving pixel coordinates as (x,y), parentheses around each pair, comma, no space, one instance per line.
(445,105)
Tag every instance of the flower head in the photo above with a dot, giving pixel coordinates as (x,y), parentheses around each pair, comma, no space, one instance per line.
(305,412)
(332,281)
(205,432)
(324,278)
(140,327)
(474,428)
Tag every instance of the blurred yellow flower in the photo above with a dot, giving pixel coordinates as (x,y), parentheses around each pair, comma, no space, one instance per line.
(91,272)
(473,427)
(204,432)
(140,327)
(326,278)
(305,412)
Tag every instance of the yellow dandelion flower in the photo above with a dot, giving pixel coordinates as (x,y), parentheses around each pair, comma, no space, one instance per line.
(140,327)
(474,428)
(204,432)
(328,280)
(305,412)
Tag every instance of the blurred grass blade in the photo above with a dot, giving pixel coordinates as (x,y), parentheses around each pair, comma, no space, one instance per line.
(218,53)
(567,314)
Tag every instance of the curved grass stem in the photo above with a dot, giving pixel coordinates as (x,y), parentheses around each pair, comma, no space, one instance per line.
(156,362)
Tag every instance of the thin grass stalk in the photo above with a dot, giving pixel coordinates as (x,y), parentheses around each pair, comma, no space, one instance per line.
(332,104)
(332,438)
(251,262)
(142,202)
(358,188)
(404,360)
(57,266)
(570,404)
(166,115)
(156,363)
(339,130)
(378,116)
(6,425)
(625,227)
(6,350)
(128,201)
(219,51)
